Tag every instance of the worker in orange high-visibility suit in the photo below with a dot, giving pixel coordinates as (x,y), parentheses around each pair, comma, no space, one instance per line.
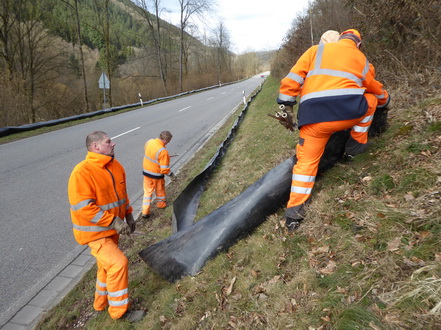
(338,91)
(98,205)
(156,164)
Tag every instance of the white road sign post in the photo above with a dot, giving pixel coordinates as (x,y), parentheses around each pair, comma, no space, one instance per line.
(104,84)
(140,98)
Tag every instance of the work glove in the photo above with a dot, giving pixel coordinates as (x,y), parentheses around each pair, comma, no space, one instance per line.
(285,124)
(286,103)
(288,113)
(131,222)
(120,226)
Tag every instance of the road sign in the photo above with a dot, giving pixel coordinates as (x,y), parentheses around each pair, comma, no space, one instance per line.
(104,82)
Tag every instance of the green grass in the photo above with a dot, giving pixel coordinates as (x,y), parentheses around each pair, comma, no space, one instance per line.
(366,257)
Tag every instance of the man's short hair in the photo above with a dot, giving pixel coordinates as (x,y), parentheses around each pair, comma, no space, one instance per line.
(94,137)
(165,135)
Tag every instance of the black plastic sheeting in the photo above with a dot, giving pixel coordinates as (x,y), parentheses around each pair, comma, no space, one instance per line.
(186,204)
(186,251)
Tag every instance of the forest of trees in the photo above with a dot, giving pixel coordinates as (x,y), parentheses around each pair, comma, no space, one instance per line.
(52,53)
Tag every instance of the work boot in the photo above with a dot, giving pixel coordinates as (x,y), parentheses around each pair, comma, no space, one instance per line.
(348,157)
(292,224)
(145,216)
(133,316)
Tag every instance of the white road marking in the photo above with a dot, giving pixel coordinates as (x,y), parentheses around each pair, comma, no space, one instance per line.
(210,98)
(185,108)
(125,133)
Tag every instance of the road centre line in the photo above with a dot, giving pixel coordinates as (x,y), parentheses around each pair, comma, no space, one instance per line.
(210,98)
(185,108)
(125,133)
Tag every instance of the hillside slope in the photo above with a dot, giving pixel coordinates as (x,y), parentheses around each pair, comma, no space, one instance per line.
(367,256)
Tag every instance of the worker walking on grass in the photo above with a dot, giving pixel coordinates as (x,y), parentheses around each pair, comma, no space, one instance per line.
(98,205)
(338,91)
(156,164)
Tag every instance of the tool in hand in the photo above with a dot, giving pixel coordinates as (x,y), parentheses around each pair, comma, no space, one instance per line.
(284,116)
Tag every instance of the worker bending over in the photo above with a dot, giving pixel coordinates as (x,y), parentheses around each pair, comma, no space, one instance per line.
(338,91)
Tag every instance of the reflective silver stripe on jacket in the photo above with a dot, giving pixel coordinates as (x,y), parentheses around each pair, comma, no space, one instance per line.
(286,98)
(97,216)
(332,92)
(155,161)
(295,77)
(82,204)
(103,208)
(112,205)
(101,284)
(92,228)
(151,160)
(334,73)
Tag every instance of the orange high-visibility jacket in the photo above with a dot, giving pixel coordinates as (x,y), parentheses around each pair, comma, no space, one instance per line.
(97,194)
(156,161)
(331,80)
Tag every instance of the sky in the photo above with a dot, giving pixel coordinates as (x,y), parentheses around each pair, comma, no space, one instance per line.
(252,25)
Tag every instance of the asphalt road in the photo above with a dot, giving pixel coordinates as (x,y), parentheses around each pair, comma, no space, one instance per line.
(36,239)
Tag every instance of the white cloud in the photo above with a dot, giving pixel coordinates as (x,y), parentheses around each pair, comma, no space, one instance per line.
(255,25)
(252,25)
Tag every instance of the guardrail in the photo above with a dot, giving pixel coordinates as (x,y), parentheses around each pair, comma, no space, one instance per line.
(5,131)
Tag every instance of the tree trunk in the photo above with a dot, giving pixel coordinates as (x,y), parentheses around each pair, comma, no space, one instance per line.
(80,43)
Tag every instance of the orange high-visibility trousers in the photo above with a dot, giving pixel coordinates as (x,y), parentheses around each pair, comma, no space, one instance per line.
(112,277)
(309,150)
(151,186)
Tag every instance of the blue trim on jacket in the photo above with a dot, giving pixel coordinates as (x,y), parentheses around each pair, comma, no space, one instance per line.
(331,108)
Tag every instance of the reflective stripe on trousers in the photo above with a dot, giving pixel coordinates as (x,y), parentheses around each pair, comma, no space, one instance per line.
(315,137)
(359,132)
(151,186)
(112,277)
